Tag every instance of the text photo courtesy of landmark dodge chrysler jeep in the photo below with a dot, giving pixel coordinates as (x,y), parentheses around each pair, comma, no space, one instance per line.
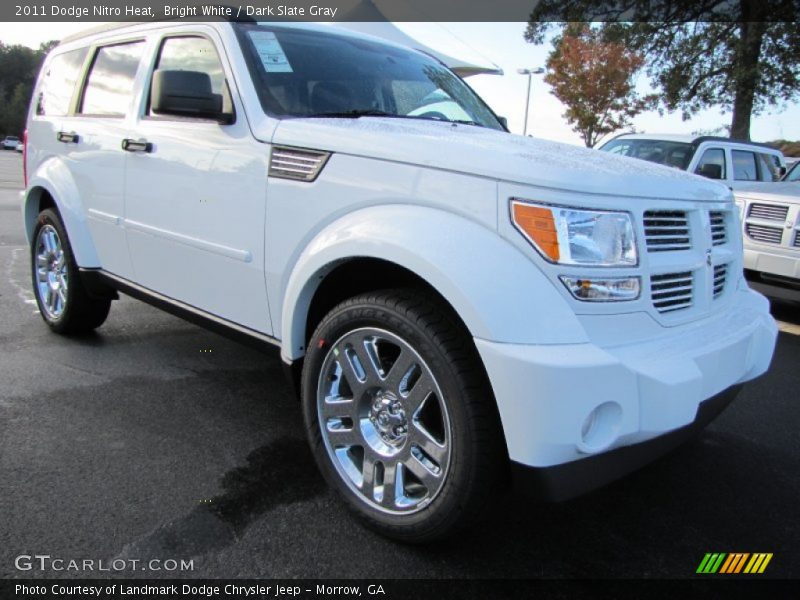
(458,305)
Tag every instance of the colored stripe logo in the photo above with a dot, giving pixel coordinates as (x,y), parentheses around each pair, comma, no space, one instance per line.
(734,562)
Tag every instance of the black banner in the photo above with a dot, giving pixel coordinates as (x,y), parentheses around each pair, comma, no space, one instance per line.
(393,589)
(403,10)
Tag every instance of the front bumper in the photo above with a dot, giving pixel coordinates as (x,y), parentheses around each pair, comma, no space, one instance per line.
(562,404)
(562,482)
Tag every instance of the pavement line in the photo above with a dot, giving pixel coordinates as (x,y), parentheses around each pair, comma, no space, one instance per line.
(24,292)
(792,328)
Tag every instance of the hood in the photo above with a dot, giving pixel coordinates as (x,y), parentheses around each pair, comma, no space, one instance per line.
(497,155)
(779,191)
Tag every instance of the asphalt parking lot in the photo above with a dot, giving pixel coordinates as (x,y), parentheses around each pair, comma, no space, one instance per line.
(155,439)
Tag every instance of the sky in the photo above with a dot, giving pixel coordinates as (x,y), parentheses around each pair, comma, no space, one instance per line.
(503,45)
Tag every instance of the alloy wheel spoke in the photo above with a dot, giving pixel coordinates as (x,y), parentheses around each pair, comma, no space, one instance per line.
(421,471)
(418,394)
(423,440)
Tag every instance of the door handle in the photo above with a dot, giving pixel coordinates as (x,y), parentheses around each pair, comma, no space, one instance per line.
(130,145)
(67,137)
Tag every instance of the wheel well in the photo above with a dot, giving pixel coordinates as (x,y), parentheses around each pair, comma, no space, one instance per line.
(360,275)
(38,200)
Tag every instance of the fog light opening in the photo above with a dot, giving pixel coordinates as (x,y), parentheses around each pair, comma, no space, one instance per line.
(600,428)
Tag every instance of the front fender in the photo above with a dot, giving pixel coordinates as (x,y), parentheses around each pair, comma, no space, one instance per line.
(498,292)
(53,177)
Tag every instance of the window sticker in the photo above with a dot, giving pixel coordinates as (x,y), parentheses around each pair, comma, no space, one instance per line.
(272,56)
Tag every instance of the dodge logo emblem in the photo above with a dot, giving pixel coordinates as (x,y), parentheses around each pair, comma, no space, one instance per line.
(708,257)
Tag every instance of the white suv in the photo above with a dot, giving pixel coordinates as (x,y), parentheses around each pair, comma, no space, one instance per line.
(736,163)
(456,303)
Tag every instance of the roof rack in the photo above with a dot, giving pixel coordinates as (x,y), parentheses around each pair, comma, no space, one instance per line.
(123,24)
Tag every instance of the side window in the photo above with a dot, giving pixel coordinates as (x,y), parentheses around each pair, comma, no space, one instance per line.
(58,83)
(770,167)
(712,156)
(195,54)
(109,86)
(744,165)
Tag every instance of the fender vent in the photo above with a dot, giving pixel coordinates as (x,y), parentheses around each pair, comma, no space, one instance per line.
(295,163)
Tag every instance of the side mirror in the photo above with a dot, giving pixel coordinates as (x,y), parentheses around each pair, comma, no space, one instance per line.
(186,94)
(503,122)
(710,170)
(781,171)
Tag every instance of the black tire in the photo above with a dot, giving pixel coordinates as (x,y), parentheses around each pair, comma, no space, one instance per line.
(477,453)
(81,312)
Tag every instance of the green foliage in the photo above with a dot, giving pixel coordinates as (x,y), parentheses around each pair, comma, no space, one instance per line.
(19,67)
(718,53)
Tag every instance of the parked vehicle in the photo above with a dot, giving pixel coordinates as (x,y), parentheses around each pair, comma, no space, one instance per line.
(455,303)
(20,147)
(733,162)
(771,216)
(10,142)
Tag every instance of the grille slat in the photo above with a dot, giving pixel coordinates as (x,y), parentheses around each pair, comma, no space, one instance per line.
(762,233)
(719,233)
(672,291)
(298,164)
(666,231)
(770,212)
(720,277)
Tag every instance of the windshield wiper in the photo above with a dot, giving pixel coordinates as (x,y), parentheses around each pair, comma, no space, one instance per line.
(353,114)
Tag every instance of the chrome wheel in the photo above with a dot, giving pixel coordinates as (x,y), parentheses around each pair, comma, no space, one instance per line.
(384,421)
(51,272)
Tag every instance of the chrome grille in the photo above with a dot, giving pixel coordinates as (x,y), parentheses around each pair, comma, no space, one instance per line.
(764,234)
(294,163)
(797,239)
(666,230)
(720,275)
(771,212)
(672,291)
(719,235)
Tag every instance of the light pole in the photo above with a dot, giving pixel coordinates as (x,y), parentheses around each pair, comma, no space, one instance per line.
(529,72)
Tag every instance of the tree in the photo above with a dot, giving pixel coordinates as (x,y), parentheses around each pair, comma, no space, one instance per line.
(595,80)
(19,66)
(740,55)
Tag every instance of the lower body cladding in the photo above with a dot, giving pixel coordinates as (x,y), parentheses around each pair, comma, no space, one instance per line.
(578,416)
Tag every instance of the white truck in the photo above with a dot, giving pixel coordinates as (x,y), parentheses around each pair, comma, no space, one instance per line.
(455,303)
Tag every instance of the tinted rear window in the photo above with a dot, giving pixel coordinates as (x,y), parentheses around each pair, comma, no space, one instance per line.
(58,83)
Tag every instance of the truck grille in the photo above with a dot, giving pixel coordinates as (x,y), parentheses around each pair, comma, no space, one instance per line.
(768,211)
(720,275)
(797,240)
(672,291)
(719,234)
(764,234)
(666,230)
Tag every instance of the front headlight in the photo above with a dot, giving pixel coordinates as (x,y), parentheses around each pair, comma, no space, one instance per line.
(573,236)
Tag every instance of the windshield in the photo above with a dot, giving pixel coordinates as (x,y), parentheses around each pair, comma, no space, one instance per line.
(663,152)
(794,173)
(308,73)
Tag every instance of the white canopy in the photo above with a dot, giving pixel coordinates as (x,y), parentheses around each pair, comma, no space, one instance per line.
(367,18)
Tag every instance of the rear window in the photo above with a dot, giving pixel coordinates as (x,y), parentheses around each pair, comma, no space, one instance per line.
(109,86)
(662,152)
(58,83)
